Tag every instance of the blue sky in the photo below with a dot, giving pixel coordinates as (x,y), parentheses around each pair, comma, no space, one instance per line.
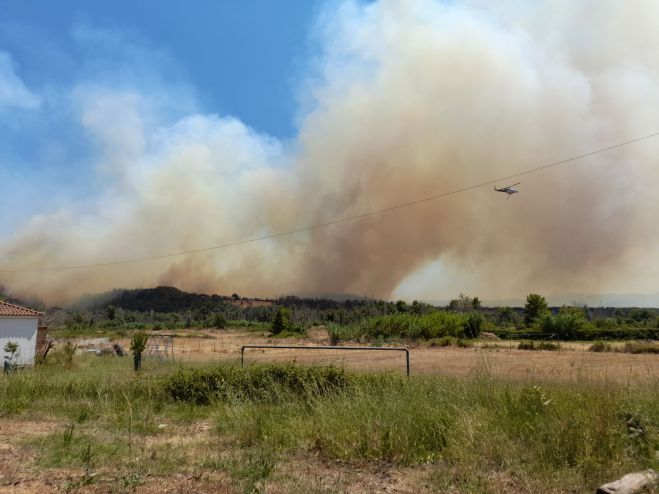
(243,57)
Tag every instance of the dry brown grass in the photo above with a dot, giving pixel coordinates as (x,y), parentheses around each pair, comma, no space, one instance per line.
(501,358)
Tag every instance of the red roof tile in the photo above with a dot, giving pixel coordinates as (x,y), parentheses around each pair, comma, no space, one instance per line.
(11,310)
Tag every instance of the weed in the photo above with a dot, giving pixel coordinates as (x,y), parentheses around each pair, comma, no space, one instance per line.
(132,481)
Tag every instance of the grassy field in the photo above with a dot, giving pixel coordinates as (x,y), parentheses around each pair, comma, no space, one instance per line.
(98,427)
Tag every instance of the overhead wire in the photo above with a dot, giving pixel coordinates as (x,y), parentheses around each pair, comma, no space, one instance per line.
(346,219)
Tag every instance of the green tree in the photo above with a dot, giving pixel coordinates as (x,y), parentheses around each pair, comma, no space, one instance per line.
(137,346)
(462,304)
(111,312)
(11,347)
(535,307)
(281,321)
(476,303)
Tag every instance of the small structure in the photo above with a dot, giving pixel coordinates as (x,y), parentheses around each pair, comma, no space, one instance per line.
(19,325)
(160,346)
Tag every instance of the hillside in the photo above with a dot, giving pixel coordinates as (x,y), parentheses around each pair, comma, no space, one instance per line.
(159,299)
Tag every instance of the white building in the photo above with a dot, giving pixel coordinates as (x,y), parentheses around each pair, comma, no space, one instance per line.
(19,324)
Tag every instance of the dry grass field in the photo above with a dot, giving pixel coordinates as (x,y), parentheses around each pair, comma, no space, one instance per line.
(501,358)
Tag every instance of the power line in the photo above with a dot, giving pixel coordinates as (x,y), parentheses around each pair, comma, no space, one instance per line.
(333,222)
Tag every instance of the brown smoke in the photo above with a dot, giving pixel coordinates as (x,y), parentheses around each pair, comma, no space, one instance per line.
(411,99)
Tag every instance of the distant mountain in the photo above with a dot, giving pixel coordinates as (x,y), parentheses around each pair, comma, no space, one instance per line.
(159,299)
(170,299)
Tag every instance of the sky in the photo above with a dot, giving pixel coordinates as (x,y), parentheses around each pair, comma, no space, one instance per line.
(232,58)
(134,130)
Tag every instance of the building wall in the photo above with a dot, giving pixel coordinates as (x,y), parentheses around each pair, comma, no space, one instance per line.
(22,330)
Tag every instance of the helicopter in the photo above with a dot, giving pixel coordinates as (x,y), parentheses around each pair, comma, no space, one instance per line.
(509,190)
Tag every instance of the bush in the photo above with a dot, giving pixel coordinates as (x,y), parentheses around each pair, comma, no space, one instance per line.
(443,341)
(69,351)
(526,345)
(472,326)
(435,324)
(640,347)
(539,345)
(600,346)
(565,325)
(588,332)
(271,383)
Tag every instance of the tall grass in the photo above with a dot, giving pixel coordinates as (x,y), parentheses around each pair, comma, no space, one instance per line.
(557,436)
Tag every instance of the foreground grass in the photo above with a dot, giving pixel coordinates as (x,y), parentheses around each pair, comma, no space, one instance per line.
(459,435)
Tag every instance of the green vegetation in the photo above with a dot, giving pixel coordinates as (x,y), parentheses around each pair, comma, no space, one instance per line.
(119,313)
(435,324)
(259,383)
(461,435)
(137,345)
(535,308)
(281,321)
(11,347)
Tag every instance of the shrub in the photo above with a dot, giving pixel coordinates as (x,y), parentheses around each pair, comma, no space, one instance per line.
(539,345)
(600,346)
(443,341)
(640,347)
(270,383)
(566,325)
(472,326)
(297,333)
(69,351)
(11,347)
(526,345)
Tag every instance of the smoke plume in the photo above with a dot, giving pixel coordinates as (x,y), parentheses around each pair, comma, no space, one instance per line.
(407,99)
